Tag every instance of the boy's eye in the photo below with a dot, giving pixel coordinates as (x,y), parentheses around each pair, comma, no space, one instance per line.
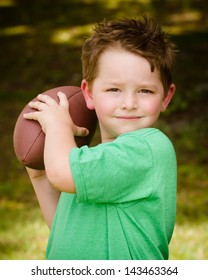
(113,90)
(146,91)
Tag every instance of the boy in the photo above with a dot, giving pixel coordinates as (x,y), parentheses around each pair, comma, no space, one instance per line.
(118,199)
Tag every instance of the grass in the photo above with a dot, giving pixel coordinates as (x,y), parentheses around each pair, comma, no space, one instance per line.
(23,233)
(189,241)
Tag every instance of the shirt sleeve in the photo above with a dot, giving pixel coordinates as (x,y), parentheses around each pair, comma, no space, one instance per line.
(115,172)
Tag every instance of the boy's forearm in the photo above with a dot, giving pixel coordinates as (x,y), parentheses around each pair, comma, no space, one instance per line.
(58,143)
(47,195)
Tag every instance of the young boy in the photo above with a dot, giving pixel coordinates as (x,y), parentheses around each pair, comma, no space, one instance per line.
(118,199)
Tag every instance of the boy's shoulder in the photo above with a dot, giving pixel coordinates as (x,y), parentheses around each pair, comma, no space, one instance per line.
(143,142)
(154,138)
(144,133)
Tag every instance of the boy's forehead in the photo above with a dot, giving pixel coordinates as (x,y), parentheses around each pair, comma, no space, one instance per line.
(118,67)
(118,53)
(120,59)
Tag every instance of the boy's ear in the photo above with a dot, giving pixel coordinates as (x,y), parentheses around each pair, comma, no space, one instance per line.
(168,97)
(87,95)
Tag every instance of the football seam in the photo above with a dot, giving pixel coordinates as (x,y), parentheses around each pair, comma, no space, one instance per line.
(78,90)
(25,158)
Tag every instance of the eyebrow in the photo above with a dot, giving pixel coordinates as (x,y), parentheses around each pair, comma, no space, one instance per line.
(140,85)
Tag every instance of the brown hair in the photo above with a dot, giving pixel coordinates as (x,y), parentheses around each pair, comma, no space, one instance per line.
(143,37)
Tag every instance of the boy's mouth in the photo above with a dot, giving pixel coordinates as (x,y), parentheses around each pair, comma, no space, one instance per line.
(128,117)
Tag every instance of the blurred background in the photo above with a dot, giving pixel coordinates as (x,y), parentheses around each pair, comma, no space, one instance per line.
(40,48)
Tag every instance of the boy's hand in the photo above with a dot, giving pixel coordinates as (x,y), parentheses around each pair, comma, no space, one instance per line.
(51,114)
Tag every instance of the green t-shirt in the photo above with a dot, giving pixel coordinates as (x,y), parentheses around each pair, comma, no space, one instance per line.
(125,203)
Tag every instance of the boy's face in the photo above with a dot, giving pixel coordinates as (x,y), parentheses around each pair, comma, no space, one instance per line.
(126,95)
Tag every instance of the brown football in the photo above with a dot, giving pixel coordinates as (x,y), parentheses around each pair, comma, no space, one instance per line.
(28,137)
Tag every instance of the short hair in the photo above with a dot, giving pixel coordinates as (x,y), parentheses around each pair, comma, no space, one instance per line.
(143,37)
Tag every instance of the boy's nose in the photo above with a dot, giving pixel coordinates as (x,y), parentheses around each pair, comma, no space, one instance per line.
(129,101)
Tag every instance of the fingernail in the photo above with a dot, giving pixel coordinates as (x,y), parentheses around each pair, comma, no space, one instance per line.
(86,132)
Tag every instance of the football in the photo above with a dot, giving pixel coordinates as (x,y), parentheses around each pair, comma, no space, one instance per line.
(28,137)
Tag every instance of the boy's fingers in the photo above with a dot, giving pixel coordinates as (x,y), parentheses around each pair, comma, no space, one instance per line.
(81,131)
(37,105)
(31,116)
(46,99)
(63,101)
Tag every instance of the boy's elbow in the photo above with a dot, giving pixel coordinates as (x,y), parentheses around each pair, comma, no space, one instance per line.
(61,179)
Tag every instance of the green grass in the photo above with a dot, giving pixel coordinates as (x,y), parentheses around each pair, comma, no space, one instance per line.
(189,241)
(23,233)
(191,231)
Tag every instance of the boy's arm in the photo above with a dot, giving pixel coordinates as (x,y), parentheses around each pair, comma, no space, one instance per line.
(47,195)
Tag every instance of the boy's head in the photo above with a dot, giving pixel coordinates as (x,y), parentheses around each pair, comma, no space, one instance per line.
(127,71)
(142,37)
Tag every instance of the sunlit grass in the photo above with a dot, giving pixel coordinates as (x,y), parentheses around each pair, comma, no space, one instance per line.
(190,238)
(16,30)
(190,241)
(23,232)
(6,3)
(70,35)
